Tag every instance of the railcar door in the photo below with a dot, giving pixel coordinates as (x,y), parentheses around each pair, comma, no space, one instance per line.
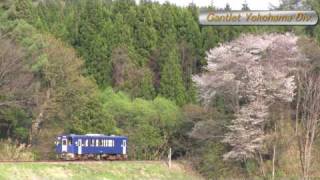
(64,145)
(124,146)
(79,146)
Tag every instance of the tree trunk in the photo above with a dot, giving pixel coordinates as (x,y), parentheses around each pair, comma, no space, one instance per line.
(273,162)
(39,119)
(298,104)
(274,153)
(261,165)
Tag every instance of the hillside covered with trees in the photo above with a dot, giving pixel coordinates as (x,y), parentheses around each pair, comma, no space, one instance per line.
(234,101)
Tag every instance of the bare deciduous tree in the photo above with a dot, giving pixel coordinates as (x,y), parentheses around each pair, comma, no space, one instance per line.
(15,79)
(309,115)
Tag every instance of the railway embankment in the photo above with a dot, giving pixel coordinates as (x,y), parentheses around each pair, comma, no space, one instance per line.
(111,170)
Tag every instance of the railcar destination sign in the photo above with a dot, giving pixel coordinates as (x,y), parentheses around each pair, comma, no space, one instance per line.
(258,18)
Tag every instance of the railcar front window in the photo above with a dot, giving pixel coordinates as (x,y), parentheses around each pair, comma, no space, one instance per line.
(57,142)
(64,142)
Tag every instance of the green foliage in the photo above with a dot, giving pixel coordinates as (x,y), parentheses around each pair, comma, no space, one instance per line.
(93,119)
(171,82)
(212,164)
(15,123)
(313,31)
(40,62)
(149,124)
(145,34)
(129,76)
(251,167)
(97,28)
(65,97)
(23,9)
(4,5)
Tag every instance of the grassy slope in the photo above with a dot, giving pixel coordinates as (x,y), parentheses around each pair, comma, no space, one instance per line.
(95,170)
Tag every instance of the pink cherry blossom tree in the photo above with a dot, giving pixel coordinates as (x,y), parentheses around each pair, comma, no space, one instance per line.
(257,71)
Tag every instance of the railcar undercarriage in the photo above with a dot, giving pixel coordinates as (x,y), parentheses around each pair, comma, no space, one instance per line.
(98,157)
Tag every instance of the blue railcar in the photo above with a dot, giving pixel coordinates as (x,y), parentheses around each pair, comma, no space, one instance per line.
(98,146)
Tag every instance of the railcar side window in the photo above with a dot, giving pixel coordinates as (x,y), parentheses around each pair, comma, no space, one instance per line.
(110,143)
(87,143)
(97,142)
(92,142)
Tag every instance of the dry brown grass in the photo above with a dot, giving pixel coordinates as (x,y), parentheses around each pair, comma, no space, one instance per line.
(13,151)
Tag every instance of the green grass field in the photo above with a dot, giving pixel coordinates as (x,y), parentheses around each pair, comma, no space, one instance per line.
(96,170)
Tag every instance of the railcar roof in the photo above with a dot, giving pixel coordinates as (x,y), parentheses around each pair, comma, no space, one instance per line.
(93,136)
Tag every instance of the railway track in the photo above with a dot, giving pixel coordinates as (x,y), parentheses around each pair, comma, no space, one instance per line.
(77,161)
(56,161)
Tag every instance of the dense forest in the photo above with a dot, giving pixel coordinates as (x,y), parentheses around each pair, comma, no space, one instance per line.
(151,72)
